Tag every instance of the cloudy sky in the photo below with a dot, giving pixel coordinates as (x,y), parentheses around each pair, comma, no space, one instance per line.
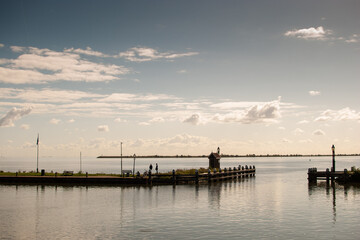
(179,77)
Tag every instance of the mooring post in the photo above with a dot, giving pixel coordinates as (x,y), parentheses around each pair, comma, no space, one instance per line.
(150,177)
(196,176)
(327,175)
(173,176)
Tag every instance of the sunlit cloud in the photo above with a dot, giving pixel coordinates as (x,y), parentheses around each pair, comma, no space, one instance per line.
(14,115)
(35,66)
(298,131)
(311,33)
(340,115)
(258,113)
(1,45)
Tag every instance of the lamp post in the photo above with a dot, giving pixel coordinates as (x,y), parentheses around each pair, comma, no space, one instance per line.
(134,165)
(121,171)
(333,158)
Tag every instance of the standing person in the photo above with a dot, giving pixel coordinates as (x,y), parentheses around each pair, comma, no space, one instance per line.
(156,168)
(150,167)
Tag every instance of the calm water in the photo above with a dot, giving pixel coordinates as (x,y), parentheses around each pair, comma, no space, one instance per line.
(277,204)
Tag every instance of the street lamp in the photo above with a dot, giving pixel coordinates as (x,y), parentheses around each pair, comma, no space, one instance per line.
(134,165)
(333,158)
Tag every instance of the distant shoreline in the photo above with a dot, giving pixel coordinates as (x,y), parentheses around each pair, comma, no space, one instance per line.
(228,156)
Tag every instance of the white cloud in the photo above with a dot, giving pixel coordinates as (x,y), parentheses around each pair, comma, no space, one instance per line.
(157,120)
(144,54)
(259,113)
(313,33)
(37,66)
(71,121)
(340,115)
(103,128)
(13,115)
(319,132)
(25,126)
(314,93)
(55,121)
(1,45)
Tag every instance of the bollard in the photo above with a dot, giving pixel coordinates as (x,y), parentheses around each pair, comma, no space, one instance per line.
(242,167)
(42,172)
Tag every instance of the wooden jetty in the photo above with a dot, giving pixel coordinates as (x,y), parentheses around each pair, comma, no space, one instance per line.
(314,175)
(150,179)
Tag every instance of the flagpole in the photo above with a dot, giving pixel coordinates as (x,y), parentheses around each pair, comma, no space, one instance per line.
(37,155)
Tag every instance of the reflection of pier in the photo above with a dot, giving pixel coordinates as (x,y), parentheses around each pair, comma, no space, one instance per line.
(156,179)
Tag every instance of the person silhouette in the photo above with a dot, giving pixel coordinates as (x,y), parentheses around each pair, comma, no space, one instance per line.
(156,168)
(150,167)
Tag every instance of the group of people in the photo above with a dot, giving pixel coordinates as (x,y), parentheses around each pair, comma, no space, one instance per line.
(156,168)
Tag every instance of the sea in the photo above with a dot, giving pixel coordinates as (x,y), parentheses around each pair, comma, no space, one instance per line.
(278,203)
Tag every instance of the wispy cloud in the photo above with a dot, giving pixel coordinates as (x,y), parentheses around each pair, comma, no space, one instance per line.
(145,54)
(88,51)
(2,45)
(311,33)
(13,115)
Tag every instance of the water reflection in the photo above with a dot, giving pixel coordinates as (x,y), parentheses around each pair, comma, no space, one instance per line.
(332,189)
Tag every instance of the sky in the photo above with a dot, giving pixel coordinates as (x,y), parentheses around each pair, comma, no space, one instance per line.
(179,77)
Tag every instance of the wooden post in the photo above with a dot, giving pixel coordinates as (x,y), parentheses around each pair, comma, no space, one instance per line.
(209,175)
